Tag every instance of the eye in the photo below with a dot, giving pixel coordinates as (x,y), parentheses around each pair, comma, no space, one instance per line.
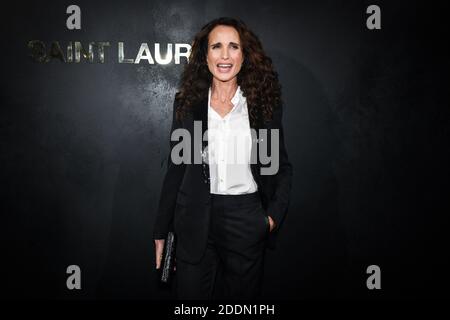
(216,46)
(235,47)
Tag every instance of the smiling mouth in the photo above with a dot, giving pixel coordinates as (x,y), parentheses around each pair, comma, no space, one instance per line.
(224,67)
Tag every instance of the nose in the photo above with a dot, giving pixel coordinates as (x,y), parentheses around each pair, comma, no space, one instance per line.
(225,53)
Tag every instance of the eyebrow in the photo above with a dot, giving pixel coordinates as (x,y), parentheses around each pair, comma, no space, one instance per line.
(233,43)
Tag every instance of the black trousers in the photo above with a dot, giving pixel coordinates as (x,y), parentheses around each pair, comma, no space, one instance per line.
(232,264)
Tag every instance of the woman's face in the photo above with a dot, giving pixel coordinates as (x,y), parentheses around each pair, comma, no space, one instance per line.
(225,55)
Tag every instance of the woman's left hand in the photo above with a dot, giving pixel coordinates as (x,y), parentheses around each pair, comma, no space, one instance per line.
(271,223)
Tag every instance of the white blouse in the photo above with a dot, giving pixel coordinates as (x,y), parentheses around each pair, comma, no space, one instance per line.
(229,148)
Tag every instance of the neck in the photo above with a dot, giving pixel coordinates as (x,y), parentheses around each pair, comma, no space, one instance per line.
(223,91)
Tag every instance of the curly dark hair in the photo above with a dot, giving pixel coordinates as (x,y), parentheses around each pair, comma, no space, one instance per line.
(257,78)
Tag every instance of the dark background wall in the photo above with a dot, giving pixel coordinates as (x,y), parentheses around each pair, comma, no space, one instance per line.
(366,121)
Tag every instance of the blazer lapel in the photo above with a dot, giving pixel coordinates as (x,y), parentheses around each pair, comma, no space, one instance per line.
(254,165)
(201,114)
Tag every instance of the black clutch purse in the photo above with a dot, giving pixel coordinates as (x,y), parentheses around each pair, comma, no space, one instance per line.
(168,258)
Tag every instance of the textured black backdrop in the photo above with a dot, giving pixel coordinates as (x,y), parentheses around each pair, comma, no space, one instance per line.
(367,126)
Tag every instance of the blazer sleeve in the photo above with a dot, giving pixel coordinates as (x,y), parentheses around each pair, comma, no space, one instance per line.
(172,180)
(278,205)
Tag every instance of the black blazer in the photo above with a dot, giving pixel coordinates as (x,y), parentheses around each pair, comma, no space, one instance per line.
(184,203)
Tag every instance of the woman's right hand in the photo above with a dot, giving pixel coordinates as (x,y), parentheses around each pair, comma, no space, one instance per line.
(159,247)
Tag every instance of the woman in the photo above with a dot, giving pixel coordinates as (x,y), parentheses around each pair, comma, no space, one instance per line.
(224,208)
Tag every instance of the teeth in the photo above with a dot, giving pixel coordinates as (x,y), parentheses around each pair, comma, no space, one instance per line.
(224,65)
